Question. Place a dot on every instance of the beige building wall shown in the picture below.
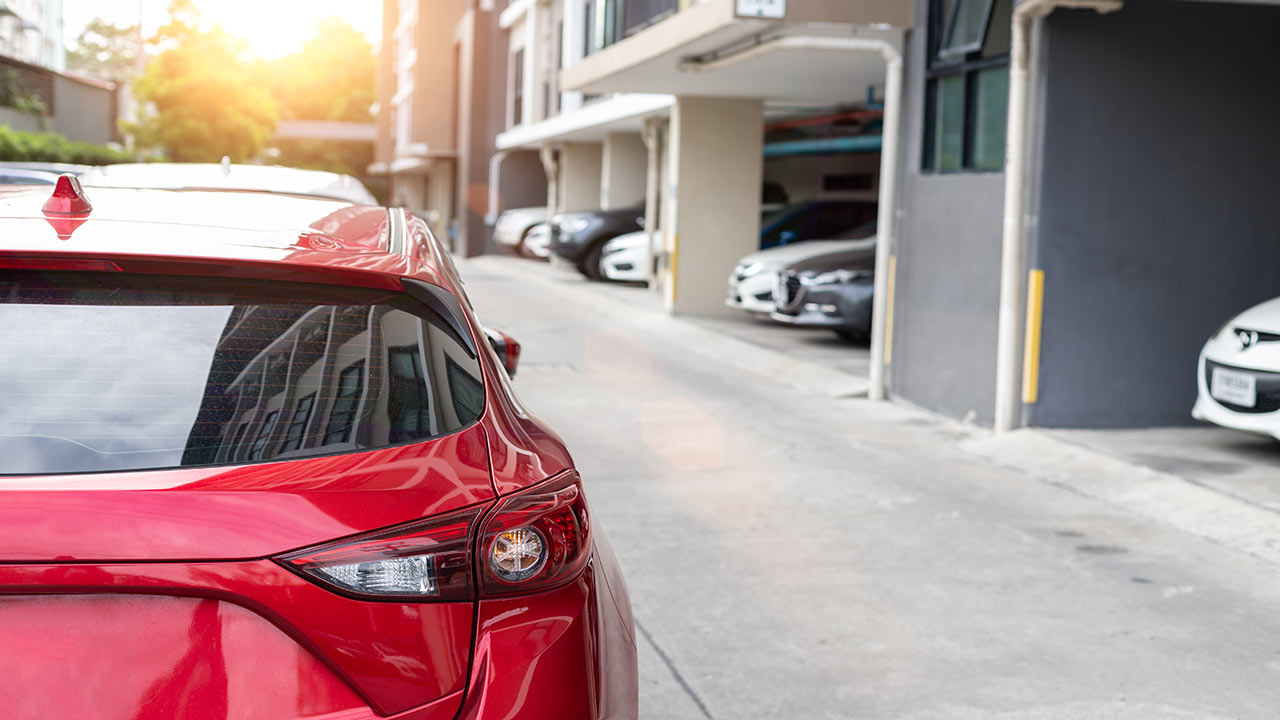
(624, 163)
(716, 168)
(579, 177)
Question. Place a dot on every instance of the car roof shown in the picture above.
(241, 227)
(214, 176)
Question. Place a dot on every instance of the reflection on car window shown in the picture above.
(102, 372)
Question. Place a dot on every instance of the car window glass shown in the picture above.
(103, 372)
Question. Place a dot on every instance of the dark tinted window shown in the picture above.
(103, 372)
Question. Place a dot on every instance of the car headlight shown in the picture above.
(746, 271)
(574, 225)
(835, 277)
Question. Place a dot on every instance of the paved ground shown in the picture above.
(799, 553)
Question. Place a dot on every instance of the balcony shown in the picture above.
(676, 52)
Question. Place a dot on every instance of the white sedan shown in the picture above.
(514, 226)
(1239, 377)
(752, 282)
(625, 258)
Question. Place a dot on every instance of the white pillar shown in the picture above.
(653, 140)
(886, 224)
(716, 155)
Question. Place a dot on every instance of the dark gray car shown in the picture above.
(832, 291)
(579, 237)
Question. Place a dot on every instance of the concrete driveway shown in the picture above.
(794, 551)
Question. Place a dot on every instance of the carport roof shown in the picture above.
(657, 59)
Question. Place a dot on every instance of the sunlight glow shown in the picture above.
(271, 27)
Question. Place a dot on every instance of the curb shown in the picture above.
(1166, 498)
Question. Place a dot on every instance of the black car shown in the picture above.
(579, 237)
(816, 220)
(832, 291)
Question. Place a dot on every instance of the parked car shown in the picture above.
(257, 469)
(1239, 373)
(833, 290)
(514, 225)
(580, 237)
(626, 258)
(816, 220)
(537, 242)
(49, 167)
(754, 278)
(228, 176)
(24, 176)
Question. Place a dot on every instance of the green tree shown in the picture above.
(330, 78)
(105, 50)
(201, 100)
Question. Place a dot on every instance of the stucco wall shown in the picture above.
(1159, 211)
(948, 271)
(85, 112)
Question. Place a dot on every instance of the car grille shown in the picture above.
(1268, 389)
(789, 292)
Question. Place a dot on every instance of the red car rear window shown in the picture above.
(106, 372)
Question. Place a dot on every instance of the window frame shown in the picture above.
(964, 62)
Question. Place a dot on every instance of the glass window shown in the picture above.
(966, 27)
(948, 121)
(104, 372)
(991, 89)
(517, 88)
(967, 87)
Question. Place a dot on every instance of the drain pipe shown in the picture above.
(1013, 262)
(495, 186)
(890, 51)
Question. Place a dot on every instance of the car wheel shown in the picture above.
(520, 249)
(590, 263)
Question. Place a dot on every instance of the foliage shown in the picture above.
(50, 147)
(11, 95)
(340, 157)
(330, 78)
(202, 100)
(105, 50)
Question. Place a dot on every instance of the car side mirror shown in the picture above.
(786, 236)
(507, 348)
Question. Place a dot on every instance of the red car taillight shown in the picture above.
(426, 561)
(533, 540)
(536, 539)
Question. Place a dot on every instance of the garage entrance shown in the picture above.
(1157, 206)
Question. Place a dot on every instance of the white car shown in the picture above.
(626, 257)
(229, 176)
(537, 242)
(1239, 378)
(752, 282)
(514, 225)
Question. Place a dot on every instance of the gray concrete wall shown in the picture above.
(85, 112)
(948, 271)
(1159, 211)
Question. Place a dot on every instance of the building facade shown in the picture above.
(31, 31)
(439, 73)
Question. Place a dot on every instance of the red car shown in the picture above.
(258, 461)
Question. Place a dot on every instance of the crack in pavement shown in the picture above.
(674, 672)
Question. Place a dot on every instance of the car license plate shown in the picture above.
(1234, 387)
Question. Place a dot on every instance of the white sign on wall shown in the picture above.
(762, 8)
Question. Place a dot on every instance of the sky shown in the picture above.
(271, 27)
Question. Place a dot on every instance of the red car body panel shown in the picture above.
(238, 512)
(150, 594)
